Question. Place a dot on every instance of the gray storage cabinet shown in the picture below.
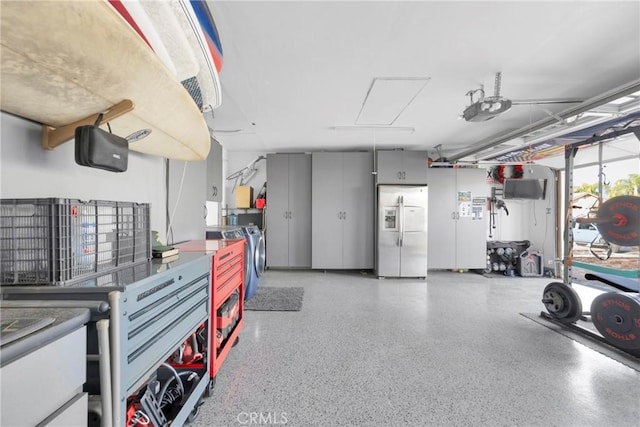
(458, 218)
(215, 182)
(342, 211)
(43, 372)
(402, 167)
(288, 232)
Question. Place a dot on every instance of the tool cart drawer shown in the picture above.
(228, 270)
(155, 315)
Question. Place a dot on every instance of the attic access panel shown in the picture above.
(388, 97)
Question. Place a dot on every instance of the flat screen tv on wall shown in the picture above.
(524, 189)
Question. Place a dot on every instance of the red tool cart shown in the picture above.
(227, 300)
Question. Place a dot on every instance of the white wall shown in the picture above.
(29, 171)
(532, 220)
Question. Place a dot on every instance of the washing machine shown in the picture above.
(256, 259)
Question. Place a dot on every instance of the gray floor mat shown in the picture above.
(276, 299)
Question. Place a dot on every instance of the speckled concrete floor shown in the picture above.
(449, 351)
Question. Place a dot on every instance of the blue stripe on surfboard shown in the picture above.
(206, 22)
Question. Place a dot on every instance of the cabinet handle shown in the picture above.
(453, 215)
(404, 175)
(284, 215)
(399, 175)
(344, 215)
(339, 215)
(290, 216)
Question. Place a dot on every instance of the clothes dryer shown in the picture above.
(255, 260)
(225, 232)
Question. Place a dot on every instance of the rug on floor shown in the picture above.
(271, 298)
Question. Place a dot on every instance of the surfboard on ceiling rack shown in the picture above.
(64, 62)
(184, 35)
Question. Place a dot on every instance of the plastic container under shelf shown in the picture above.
(530, 264)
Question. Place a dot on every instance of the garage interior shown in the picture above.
(497, 112)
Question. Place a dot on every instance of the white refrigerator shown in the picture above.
(402, 231)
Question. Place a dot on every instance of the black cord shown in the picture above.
(99, 120)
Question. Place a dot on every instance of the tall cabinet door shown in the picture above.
(327, 210)
(277, 232)
(471, 227)
(299, 210)
(458, 218)
(215, 182)
(442, 213)
(359, 211)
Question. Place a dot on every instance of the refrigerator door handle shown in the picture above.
(401, 220)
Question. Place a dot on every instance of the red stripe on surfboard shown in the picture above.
(122, 10)
(215, 54)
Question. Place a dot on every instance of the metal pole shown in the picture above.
(102, 327)
(569, 154)
(118, 401)
(600, 174)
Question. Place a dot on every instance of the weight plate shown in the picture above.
(617, 317)
(562, 302)
(623, 229)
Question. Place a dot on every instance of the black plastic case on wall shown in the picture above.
(96, 148)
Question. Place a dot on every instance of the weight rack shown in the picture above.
(561, 300)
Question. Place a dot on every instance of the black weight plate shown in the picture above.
(562, 302)
(616, 315)
(624, 228)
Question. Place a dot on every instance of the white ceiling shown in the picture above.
(296, 73)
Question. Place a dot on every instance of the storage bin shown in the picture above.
(530, 264)
(54, 241)
(227, 316)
